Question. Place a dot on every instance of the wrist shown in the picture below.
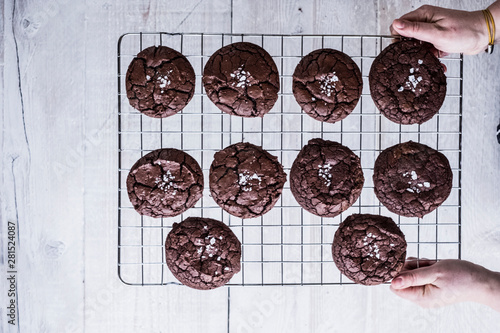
(489, 293)
(480, 28)
(495, 12)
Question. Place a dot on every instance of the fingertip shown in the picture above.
(394, 290)
(399, 24)
(393, 32)
(398, 292)
(403, 28)
(398, 283)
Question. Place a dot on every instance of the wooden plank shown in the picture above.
(4, 285)
(304, 309)
(42, 123)
(297, 309)
(304, 17)
(110, 304)
(481, 156)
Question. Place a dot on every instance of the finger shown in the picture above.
(416, 277)
(412, 266)
(414, 259)
(394, 33)
(412, 293)
(437, 53)
(427, 32)
(416, 263)
(395, 36)
(415, 294)
(422, 14)
(440, 54)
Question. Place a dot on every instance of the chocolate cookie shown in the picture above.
(369, 249)
(327, 84)
(326, 178)
(160, 82)
(245, 180)
(202, 253)
(164, 183)
(412, 179)
(407, 82)
(242, 79)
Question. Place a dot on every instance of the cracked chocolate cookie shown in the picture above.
(369, 249)
(407, 82)
(326, 178)
(242, 79)
(202, 253)
(327, 84)
(412, 179)
(245, 180)
(164, 183)
(160, 82)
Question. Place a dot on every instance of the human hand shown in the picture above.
(435, 284)
(449, 30)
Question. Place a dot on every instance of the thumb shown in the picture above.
(416, 277)
(419, 30)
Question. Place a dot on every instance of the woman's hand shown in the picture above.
(435, 284)
(449, 30)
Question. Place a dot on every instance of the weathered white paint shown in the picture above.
(58, 177)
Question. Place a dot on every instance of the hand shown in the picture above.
(449, 30)
(436, 284)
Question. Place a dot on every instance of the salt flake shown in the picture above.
(412, 81)
(245, 178)
(164, 79)
(242, 78)
(324, 172)
(327, 84)
(166, 182)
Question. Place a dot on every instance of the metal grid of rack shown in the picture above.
(287, 246)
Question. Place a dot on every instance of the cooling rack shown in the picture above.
(287, 246)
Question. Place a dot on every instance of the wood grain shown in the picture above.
(3, 220)
(111, 305)
(59, 177)
(43, 122)
(305, 17)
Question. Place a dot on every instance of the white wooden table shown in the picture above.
(58, 180)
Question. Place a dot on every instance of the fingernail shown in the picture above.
(399, 24)
(398, 282)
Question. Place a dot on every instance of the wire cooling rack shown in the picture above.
(286, 246)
